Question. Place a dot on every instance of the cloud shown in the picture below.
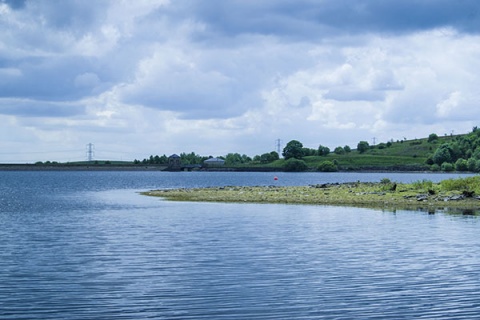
(35, 108)
(234, 76)
(307, 19)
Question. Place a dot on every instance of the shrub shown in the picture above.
(461, 165)
(327, 166)
(295, 165)
(466, 184)
(423, 185)
(387, 185)
(447, 166)
(472, 165)
(435, 167)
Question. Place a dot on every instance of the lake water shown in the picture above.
(86, 245)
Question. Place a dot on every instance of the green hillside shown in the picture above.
(404, 155)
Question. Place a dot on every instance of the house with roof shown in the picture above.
(174, 162)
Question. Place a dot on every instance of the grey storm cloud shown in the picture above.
(313, 19)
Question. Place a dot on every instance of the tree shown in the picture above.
(308, 152)
(323, 151)
(443, 154)
(233, 159)
(432, 137)
(363, 146)
(339, 150)
(347, 149)
(293, 149)
(269, 157)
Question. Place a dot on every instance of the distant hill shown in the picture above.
(400, 155)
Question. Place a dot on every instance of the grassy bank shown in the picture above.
(454, 193)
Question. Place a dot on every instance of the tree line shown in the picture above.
(460, 153)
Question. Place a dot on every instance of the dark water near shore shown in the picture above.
(86, 245)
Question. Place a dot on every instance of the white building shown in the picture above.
(214, 162)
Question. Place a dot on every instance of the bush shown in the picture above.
(472, 165)
(327, 166)
(423, 185)
(447, 166)
(466, 184)
(435, 167)
(461, 165)
(429, 160)
(295, 165)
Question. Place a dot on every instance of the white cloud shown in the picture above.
(165, 76)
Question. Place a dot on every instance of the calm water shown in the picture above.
(86, 245)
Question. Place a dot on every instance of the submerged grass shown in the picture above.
(458, 193)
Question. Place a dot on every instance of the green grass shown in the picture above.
(424, 194)
(400, 155)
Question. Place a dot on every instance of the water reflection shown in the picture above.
(95, 252)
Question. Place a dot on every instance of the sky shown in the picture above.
(144, 77)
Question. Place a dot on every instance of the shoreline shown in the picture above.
(116, 167)
(359, 194)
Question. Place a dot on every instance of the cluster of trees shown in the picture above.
(461, 154)
(231, 159)
(295, 149)
(186, 158)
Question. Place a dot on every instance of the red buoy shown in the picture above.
(275, 178)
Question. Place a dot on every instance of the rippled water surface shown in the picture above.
(86, 245)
